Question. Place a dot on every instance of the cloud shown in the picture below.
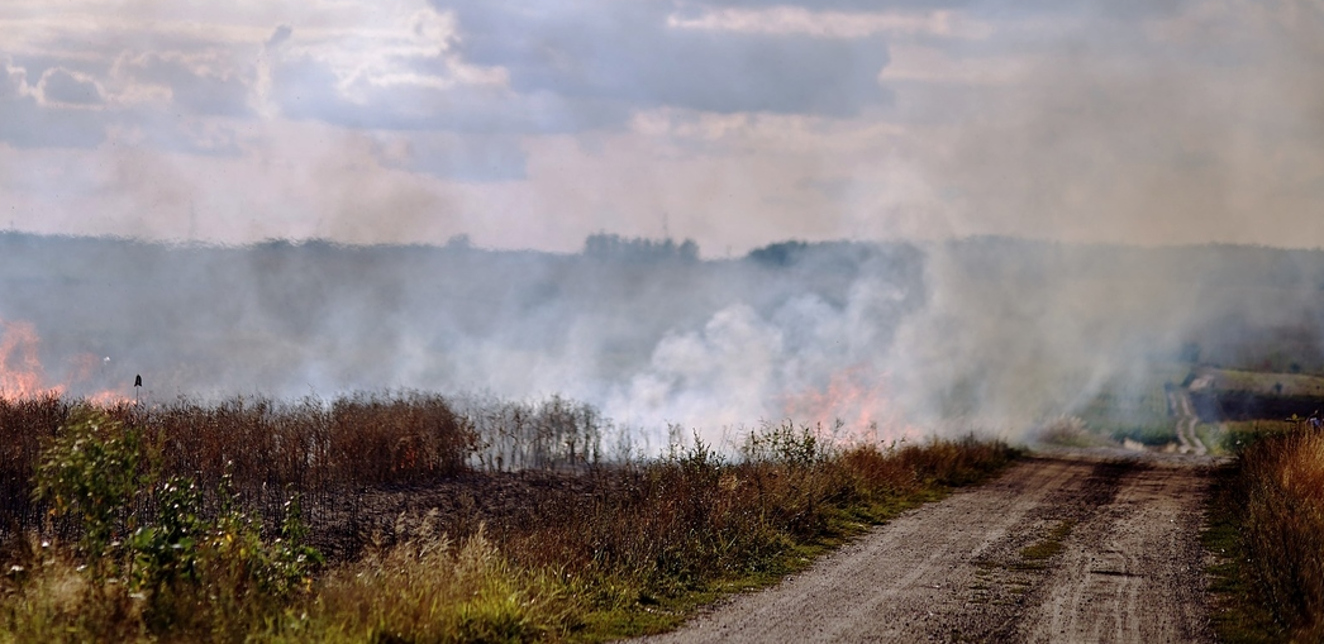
(14, 83)
(63, 86)
(28, 123)
(628, 52)
(305, 88)
(204, 84)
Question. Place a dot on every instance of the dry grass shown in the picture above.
(1283, 482)
(429, 588)
(1265, 522)
(624, 549)
(267, 449)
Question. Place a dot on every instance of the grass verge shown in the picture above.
(1239, 614)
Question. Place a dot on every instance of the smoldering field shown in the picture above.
(895, 340)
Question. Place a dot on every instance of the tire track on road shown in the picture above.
(957, 570)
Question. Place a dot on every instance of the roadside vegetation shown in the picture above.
(196, 522)
(1265, 520)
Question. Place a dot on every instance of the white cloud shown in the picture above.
(787, 19)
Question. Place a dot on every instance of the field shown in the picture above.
(401, 518)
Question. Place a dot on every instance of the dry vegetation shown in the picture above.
(192, 522)
(1267, 516)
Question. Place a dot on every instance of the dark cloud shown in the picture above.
(627, 52)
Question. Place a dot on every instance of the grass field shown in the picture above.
(195, 522)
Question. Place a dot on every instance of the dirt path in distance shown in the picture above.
(1061, 548)
(1179, 400)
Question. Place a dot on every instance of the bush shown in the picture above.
(156, 560)
(93, 470)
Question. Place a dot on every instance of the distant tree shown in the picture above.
(639, 249)
(688, 251)
(779, 254)
(459, 242)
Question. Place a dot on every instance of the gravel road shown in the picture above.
(1061, 548)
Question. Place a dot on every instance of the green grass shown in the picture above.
(1036, 555)
(1238, 612)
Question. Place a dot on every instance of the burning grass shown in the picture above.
(576, 549)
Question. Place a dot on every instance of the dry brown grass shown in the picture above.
(268, 449)
(1282, 480)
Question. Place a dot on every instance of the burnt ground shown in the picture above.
(1067, 547)
(342, 526)
(1214, 406)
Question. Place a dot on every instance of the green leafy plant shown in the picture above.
(92, 470)
(182, 565)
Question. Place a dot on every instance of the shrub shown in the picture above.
(93, 469)
(154, 555)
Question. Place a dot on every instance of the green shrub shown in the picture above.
(93, 470)
(153, 554)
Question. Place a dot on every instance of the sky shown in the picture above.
(737, 123)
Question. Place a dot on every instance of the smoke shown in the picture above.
(1114, 134)
(891, 340)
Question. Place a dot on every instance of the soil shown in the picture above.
(1071, 546)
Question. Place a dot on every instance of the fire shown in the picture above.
(22, 376)
(855, 407)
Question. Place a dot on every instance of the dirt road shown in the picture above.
(1064, 548)
(1179, 401)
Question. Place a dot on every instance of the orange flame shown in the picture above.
(855, 407)
(21, 374)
